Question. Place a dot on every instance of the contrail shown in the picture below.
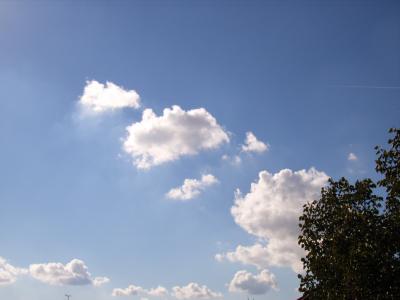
(355, 86)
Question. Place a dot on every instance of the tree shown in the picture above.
(352, 235)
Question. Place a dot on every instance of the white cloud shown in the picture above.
(133, 290)
(234, 160)
(73, 273)
(159, 291)
(99, 281)
(256, 255)
(9, 273)
(271, 212)
(159, 139)
(98, 97)
(194, 291)
(192, 188)
(284, 252)
(259, 284)
(352, 157)
(252, 144)
(190, 291)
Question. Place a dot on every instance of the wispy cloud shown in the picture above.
(352, 157)
(234, 159)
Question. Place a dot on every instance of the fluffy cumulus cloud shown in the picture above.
(9, 273)
(270, 211)
(133, 290)
(259, 284)
(252, 144)
(99, 281)
(98, 97)
(256, 255)
(352, 157)
(192, 188)
(73, 273)
(194, 291)
(159, 291)
(159, 139)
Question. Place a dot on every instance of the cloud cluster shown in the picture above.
(259, 284)
(98, 98)
(133, 290)
(270, 211)
(192, 188)
(73, 273)
(252, 144)
(9, 273)
(159, 139)
(194, 291)
(190, 291)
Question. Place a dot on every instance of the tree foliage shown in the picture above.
(352, 235)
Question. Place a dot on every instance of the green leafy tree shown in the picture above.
(352, 235)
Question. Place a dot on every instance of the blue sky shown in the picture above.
(314, 82)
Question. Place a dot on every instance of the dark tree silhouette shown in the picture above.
(352, 235)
